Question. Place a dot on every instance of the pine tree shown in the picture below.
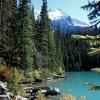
(42, 35)
(32, 17)
(14, 32)
(37, 22)
(58, 39)
(26, 38)
(52, 52)
(7, 30)
(45, 39)
(14, 85)
(94, 8)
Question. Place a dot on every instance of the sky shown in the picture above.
(70, 7)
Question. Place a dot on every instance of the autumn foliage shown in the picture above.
(6, 73)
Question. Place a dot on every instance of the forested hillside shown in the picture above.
(27, 46)
(32, 50)
(31, 44)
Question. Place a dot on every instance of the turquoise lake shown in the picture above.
(76, 84)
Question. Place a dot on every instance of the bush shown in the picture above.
(45, 73)
(13, 84)
(60, 71)
(40, 95)
(28, 75)
(6, 73)
(36, 74)
(69, 96)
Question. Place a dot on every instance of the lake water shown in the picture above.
(76, 84)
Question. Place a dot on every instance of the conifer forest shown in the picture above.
(36, 49)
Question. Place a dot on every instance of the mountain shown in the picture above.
(66, 22)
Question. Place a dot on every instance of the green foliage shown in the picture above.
(59, 47)
(7, 30)
(42, 35)
(45, 73)
(45, 42)
(91, 40)
(2, 62)
(71, 54)
(60, 70)
(13, 85)
(94, 8)
(52, 56)
(28, 74)
(26, 38)
(37, 74)
(40, 95)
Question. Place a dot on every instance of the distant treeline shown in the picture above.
(75, 53)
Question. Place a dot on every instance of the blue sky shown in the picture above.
(70, 7)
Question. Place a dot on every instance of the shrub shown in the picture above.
(13, 84)
(69, 96)
(60, 71)
(6, 73)
(45, 73)
(28, 76)
(36, 74)
(40, 95)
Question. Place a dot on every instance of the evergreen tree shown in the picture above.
(14, 31)
(58, 39)
(34, 33)
(26, 38)
(7, 30)
(33, 23)
(94, 15)
(37, 22)
(52, 52)
(42, 35)
(14, 85)
(45, 39)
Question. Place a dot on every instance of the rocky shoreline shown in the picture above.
(30, 87)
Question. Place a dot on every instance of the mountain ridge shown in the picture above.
(66, 21)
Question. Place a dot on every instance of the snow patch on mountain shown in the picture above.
(59, 15)
(79, 23)
(55, 14)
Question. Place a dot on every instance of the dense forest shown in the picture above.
(28, 49)
(28, 45)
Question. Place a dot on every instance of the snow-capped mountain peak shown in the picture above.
(59, 15)
(53, 13)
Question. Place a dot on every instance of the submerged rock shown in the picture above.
(92, 86)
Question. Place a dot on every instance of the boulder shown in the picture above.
(52, 93)
(46, 91)
(2, 90)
